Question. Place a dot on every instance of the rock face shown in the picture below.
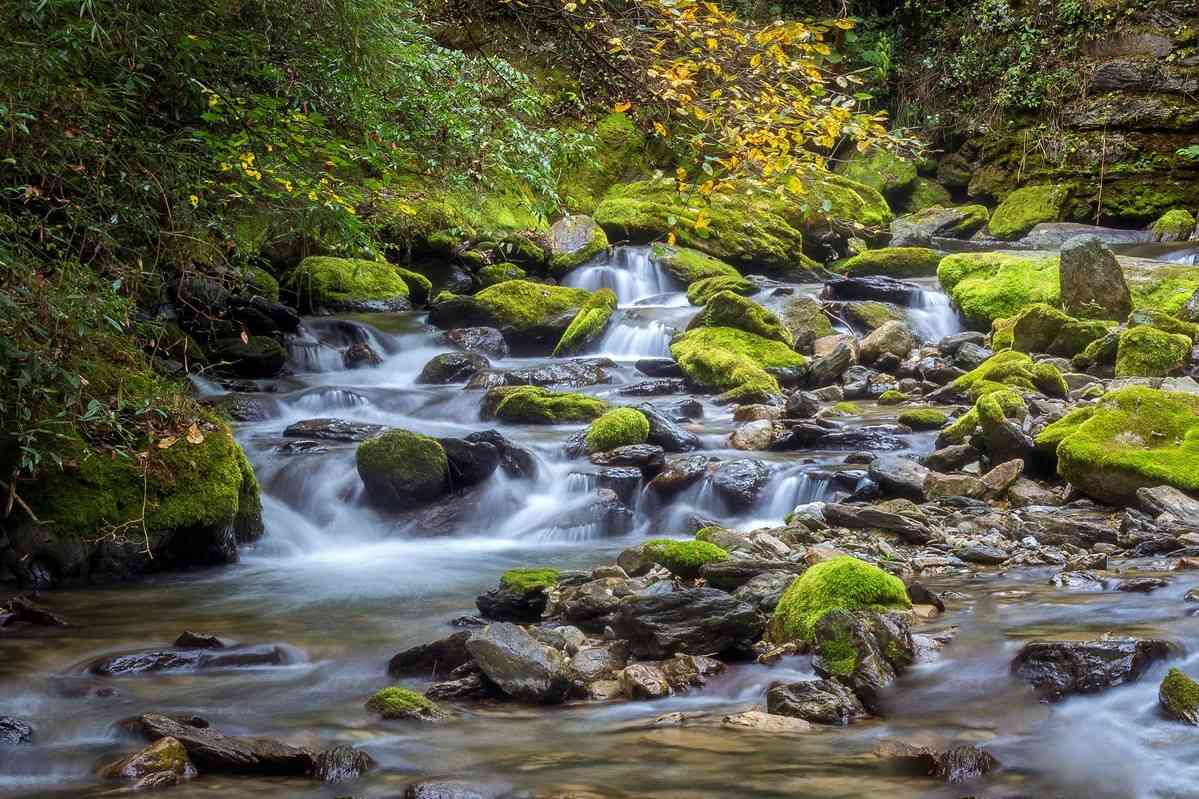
(1060, 668)
(523, 668)
(1093, 286)
(211, 750)
(697, 621)
(817, 701)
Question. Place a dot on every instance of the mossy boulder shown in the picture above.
(804, 318)
(536, 405)
(683, 559)
(923, 418)
(574, 240)
(842, 583)
(1007, 369)
(1010, 404)
(734, 362)
(1132, 438)
(323, 283)
(870, 315)
(1175, 225)
(890, 174)
(926, 193)
(921, 227)
(687, 265)
(589, 323)
(1178, 697)
(892, 397)
(1049, 380)
(255, 357)
(1042, 328)
(529, 580)
(897, 262)
(727, 309)
(1150, 352)
(402, 469)
(420, 288)
(260, 283)
(617, 428)
(702, 290)
(531, 316)
(996, 285)
(404, 703)
(1025, 208)
(1165, 323)
(493, 274)
(620, 152)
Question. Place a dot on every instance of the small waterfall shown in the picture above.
(631, 336)
(628, 271)
(308, 354)
(933, 317)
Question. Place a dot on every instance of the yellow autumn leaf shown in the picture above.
(622, 106)
(661, 130)
(671, 238)
(194, 436)
(167, 442)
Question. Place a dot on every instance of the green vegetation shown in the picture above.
(523, 305)
(1178, 696)
(1010, 405)
(923, 419)
(618, 427)
(843, 583)
(683, 559)
(1049, 380)
(1003, 369)
(588, 323)
(687, 266)
(733, 361)
(727, 309)
(1025, 208)
(1174, 225)
(892, 397)
(529, 581)
(1150, 352)
(702, 290)
(535, 405)
(404, 703)
(492, 274)
(990, 286)
(897, 262)
(891, 175)
(347, 284)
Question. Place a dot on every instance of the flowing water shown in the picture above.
(345, 587)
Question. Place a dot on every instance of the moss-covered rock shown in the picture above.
(618, 427)
(1003, 369)
(683, 559)
(727, 309)
(255, 357)
(1132, 438)
(330, 284)
(1049, 380)
(996, 285)
(687, 265)
(493, 274)
(842, 583)
(1178, 697)
(574, 240)
(1025, 208)
(404, 703)
(536, 405)
(870, 315)
(420, 288)
(521, 305)
(897, 262)
(1010, 404)
(892, 397)
(530, 580)
(261, 283)
(890, 174)
(1150, 352)
(805, 320)
(1174, 225)
(926, 193)
(702, 290)
(589, 323)
(620, 152)
(923, 418)
(734, 362)
(1164, 322)
(938, 221)
(402, 469)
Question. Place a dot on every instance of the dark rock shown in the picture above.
(515, 461)
(452, 367)
(658, 387)
(1142, 585)
(569, 374)
(955, 765)
(256, 358)
(432, 659)
(817, 701)
(764, 591)
(523, 668)
(951, 458)
(599, 661)
(982, 554)
(471, 462)
(624, 481)
(920, 595)
(649, 458)
(244, 409)
(802, 405)
(878, 438)
(506, 604)
(1058, 668)
(342, 763)
(864, 650)
(899, 477)
(333, 430)
(950, 344)
(23, 610)
(193, 640)
(680, 474)
(658, 367)
(692, 621)
(14, 731)
(867, 517)
(157, 660)
(877, 288)
(666, 434)
(739, 482)
(211, 750)
(360, 356)
(827, 369)
(484, 340)
(729, 575)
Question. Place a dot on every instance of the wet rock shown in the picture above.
(1163, 499)
(869, 517)
(1142, 585)
(826, 369)
(164, 762)
(899, 477)
(569, 374)
(151, 661)
(342, 764)
(599, 661)
(507, 604)
(15, 731)
(802, 405)
(892, 338)
(982, 554)
(658, 367)
(1079, 580)
(643, 681)
(664, 386)
(515, 461)
(333, 430)
(211, 750)
(1178, 697)
(1059, 668)
(1027, 493)
(921, 228)
(193, 640)
(244, 409)
(877, 438)
(877, 288)
(666, 434)
(523, 668)
(731, 574)
(432, 659)
(955, 765)
(470, 462)
(1002, 477)
(649, 458)
(592, 603)
(951, 458)
(452, 367)
(864, 650)
(483, 340)
(624, 481)
(691, 621)
(23, 610)
(435, 789)
(680, 474)
(360, 356)
(817, 701)
(768, 723)
(739, 482)
(753, 436)
(255, 358)
(1093, 285)
(938, 486)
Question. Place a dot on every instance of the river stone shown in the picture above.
(870, 517)
(211, 750)
(739, 482)
(955, 765)
(764, 591)
(666, 434)
(569, 374)
(692, 620)
(732, 573)
(658, 367)
(254, 358)
(939, 486)
(333, 430)
(919, 229)
(156, 660)
(1093, 285)
(483, 340)
(1164, 499)
(827, 368)
(523, 668)
(15, 731)
(881, 645)
(360, 356)
(649, 458)
(164, 762)
(753, 435)
(23, 610)
(507, 604)
(452, 367)
(343, 763)
(643, 681)
(470, 462)
(571, 237)
(432, 659)
(951, 458)
(768, 723)
(818, 701)
(1002, 477)
(435, 789)
(515, 461)
(899, 477)
(982, 554)
(892, 337)
(599, 660)
(1059, 668)
(876, 287)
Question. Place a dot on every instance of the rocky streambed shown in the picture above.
(576, 600)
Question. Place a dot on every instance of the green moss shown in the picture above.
(888, 173)
(403, 703)
(261, 283)
(682, 558)
(419, 286)
(993, 285)
(1134, 437)
(702, 290)
(838, 656)
(399, 466)
(687, 265)
(845, 408)
(588, 323)
(892, 397)
(870, 315)
(1164, 322)
(733, 361)
(522, 305)
(529, 581)
(923, 419)
(927, 193)
(535, 405)
(597, 243)
(1049, 380)
(1048, 439)
(727, 309)
(1003, 334)
(1179, 696)
(843, 583)
(804, 318)
(619, 151)
(1010, 404)
(617, 428)
(1026, 208)
(339, 283)
(492, 274)
(707, 534)
(1149, 352)
(1001, 369)
(1174, 225)
(967, 219)
(169, 340)
(897, 262)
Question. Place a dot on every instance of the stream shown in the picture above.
(344, 587)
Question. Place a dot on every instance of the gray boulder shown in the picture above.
(1093, 285)
(523, 668)
(697, 621)
(818, 701)
(1059, 668)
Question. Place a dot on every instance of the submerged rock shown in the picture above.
(15, 731)
(165, 762)
(1060, 668)
(196, 659)
(817, 701)
(211, 750)
(452, 367)
(432, 659)
(958, 764)
(343, 763)
(1178, 696)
